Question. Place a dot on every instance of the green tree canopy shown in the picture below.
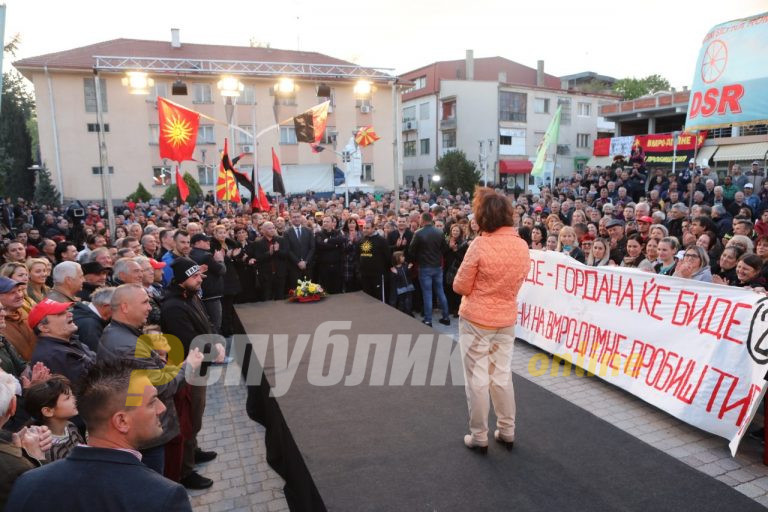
(195, 192)
(456, 172)
(140, 195)
(631, 88)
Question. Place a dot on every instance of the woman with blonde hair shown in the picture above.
(600, 255)
(568, 243)
(490, 276)
(39, 269)
(19, 273)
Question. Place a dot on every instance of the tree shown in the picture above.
(45, 192)
(195, 192)
(631, 88)
(17, 107)
(456, 172)
(140, 195)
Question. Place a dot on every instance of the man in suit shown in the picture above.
(301, 250)
(270, 252)
(107, 474)
(330, 253)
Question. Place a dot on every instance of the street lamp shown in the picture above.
(138, 82)
(436, 178)
(285, 86)
(362, 89)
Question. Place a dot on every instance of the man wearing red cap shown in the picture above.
(52, 323)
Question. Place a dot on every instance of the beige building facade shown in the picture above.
(65, 96)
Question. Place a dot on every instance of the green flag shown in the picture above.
(550, 137)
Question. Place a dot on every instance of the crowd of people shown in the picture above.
(78, 303)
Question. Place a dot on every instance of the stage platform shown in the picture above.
(372, 447)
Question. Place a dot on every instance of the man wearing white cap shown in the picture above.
(750, 198)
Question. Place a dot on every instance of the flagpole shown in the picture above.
(255, 155)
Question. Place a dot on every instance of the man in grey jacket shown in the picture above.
(123, 340)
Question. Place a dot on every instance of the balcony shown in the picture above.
(448, 124)
(410, 124)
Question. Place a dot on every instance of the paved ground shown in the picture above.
(245, 482)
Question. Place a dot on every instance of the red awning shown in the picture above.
(515, 166)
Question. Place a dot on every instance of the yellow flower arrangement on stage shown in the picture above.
(306, 291)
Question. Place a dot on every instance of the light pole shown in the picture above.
(230, 87)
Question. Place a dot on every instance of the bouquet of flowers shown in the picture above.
(306, 291)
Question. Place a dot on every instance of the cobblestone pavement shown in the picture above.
(243, 481)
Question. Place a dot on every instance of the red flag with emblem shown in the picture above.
(226, 183)
(177, 130)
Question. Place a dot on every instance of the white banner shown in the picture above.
(622, 146)
(698, 351)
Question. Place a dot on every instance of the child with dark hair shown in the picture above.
(52, 403)
(402, 296)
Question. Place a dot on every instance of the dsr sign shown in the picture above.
(720, 100)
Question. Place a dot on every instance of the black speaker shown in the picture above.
(179, 88)
(323, 91)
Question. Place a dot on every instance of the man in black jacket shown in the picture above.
(375, 261)
(329, 247)
(427, 249)
(184, 316)
(95, 276)
(270, 252)
(301, 250)
(106, 475)
(213, 284)
(400, 239)
(92, 317)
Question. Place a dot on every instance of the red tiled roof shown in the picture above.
(82, 58)
(486, 68)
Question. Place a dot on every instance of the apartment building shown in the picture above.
(496, 111)
(190, 74)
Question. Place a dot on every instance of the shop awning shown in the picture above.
(705, 153)
(602, 161)
(737, 152)
(515, 166)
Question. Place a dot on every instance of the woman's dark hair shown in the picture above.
(637, 237)
(752, 260)
(525, 234)
(542, 229)
(45, 394)
(492, 210)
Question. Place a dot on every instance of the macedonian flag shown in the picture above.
(178, 131)
(226, 183)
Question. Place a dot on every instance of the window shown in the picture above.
(409, 148)
(205, 175)
(247, 96)
(329, 136)
(753, 129)
(541, 105)
(418, 83)
(97, 170)
(409, 113)
(582, 140)
(512, 106)
(424, 146)
(202, 93)
(94, 127)
(161, 176)
(449, 139)
(205, 134)
(160, 90)
(449, 110)
(512, 141)
(585, 109)
(563, 149)
(288, 135)
(367, 172)
(243, 138)
(565, 113)
(154, 133)
(89, 89)
(424, 111)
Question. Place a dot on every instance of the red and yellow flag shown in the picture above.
(366, 136)
(310, 125)
(178, 131)
(226, 183)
